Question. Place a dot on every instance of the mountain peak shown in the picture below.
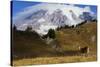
(46, 16)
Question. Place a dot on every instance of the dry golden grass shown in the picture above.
(71, 38)
(31, 50)
(54, 60)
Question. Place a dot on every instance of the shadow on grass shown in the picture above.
(44, 54)
(27, 45)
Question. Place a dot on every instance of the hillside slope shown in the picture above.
(84, 35)
(29, 46)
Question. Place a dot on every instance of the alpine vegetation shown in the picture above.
(49, 33)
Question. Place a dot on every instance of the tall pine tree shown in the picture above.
(51, 33)
(29, 28)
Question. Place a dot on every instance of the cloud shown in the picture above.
(87, 9)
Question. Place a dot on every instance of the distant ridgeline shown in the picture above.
(86, 16)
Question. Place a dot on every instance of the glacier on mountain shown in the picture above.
(43, 16)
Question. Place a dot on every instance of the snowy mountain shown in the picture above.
(43, 16)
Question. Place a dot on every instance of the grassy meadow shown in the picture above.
(29, 49)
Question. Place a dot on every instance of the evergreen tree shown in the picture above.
(72, 26)
(29, 28)
(58, 28)
(66, 26)
(14, 28)
(51, 33)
